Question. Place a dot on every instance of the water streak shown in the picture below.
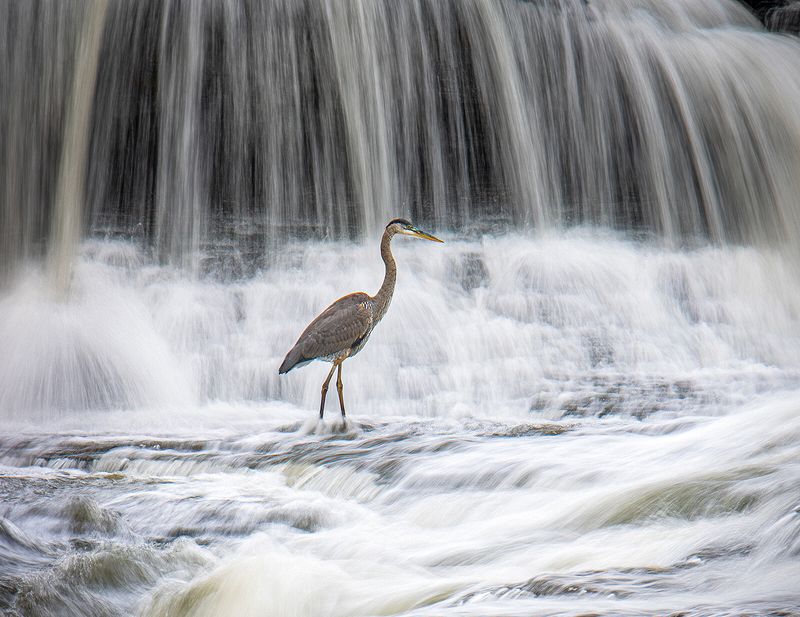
(66, 222)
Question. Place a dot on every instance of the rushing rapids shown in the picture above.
(586, 401)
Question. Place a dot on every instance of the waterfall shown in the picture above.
(221, 137)
(236, 124)
(586, 401)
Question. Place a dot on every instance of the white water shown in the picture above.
(539, 426)
(493, 327)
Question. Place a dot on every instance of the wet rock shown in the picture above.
(784, 19)
(546, 586)
(469, 271)
(676, 282)
(777, 15)
(528, 430)
(599, 349)
(299, 516)
(85, 516)
(604, 395)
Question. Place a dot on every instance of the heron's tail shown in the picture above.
(292, 359)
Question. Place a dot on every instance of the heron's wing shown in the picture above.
(337, 328)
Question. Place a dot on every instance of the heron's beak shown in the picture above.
(426, 236)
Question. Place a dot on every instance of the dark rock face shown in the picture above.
(777, 15)
(761, 7)
(784, 19)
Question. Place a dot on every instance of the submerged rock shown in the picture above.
(777, 15)
(469, 271)
(784, 19)
(84, 515)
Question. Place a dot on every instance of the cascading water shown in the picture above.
(242, 122)
(587, 400)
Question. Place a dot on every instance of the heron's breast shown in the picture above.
(336, 357)
(359, 344)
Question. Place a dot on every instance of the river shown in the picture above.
(586, 401)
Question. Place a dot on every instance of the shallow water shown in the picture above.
(553, 425)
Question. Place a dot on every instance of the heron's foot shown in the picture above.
(333, 426)
(313, 426)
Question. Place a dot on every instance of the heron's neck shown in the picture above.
(384, 295)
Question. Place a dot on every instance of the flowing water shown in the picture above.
(587, 401)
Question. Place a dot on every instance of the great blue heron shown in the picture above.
(342, 329)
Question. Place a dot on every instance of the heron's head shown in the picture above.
(402, 226)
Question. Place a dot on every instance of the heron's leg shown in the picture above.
(325, 392)
(339, 386)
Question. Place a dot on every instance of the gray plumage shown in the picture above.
(342, 329)
(336, 332)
